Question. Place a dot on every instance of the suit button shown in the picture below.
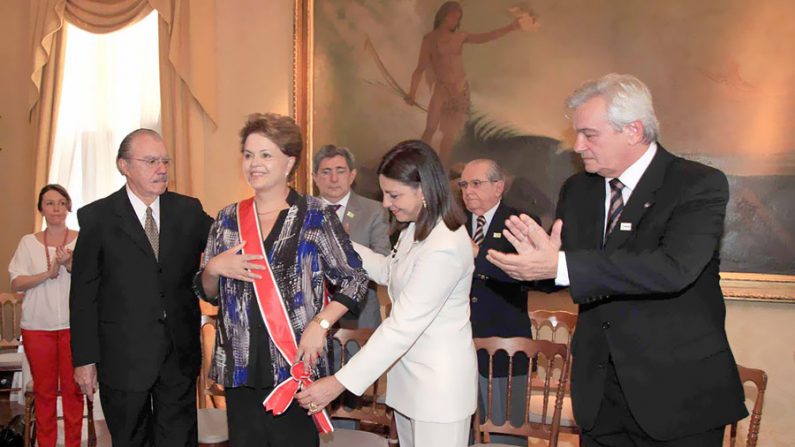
(601, 365)
(160, 270)
(474, 299)
(606, 325)
(162, 294)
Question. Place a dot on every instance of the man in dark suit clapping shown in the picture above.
(134, 318)
(637, 242)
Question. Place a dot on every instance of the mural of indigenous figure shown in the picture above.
(442, 64)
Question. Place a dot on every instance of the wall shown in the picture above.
(255, 75)
(17, 157)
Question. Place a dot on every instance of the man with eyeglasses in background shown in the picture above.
(134, 317)
(498, 303)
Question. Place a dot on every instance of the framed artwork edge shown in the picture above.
(736, 286)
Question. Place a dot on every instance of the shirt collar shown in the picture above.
(489, 215)
(631, 176)
(343, 202)
(140, 207)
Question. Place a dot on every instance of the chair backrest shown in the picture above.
(209, 393)
(10, 317)
(561, 325)
(368, 407)
(759, 379)
(543, 403)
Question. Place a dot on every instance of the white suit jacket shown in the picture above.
(427, 339)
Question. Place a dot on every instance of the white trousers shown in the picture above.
(412, 433)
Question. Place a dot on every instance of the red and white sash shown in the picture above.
(276, 319)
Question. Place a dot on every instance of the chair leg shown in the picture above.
(29, 435)
(92, 431)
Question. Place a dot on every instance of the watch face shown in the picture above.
(325, 324)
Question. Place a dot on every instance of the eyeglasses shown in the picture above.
(475, 184)
(152, 162)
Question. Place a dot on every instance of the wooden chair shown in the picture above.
(557, 326)
(759, 379)
(367, 409)
(211, 414)
(10, 316)
(543, 407)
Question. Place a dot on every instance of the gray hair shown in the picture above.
(331, 151)
(628, 99)
(126, 143)
(495, 172)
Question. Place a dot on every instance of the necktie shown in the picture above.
(478, 236)
(616, 206)
(150, 228)
(335, 207)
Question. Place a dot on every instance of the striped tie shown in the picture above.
(478, 236)
(150, 228)
(616, 206)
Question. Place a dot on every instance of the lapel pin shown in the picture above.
(349, 214)
(496, 235)
(625, 226)
(647, 205)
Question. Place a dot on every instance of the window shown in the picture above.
(110, 87)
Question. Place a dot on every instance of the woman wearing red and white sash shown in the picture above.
(265, 265)
(426, 343)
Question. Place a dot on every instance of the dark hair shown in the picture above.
(126, 143)
(280, 129)
(416, 164)
(60, 190)
(331, 151)
(444, 10)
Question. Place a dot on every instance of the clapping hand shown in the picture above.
(63, 256)
(232, 264)
(536, 254)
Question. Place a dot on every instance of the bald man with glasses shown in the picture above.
(498, 303)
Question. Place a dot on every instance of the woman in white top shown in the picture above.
(41, 268)
(426, 343)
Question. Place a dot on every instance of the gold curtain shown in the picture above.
(187, 74)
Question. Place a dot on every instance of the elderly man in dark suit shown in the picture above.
(365, 220)
(498, 302)
(637, 242)
(134, 317)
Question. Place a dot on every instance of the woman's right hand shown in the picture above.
(232, 264)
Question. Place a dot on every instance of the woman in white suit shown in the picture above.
(427, 339)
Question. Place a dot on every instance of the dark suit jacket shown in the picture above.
(498, 303)
(651, 299)
(120, 291)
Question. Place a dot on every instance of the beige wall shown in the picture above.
(17, 157)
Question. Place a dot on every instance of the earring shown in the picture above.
(424, 203)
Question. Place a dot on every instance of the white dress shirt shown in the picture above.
(629, 178)
(343, 202)
(140, 208)
(489, 215)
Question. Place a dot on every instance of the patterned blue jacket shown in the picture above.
(312, 248)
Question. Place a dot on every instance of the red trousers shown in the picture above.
(50, 358)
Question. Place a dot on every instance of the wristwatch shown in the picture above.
(325, 324)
